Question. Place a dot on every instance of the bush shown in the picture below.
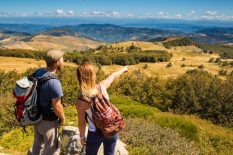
(231, 63)
(178, 42)
(211, 60)
(225, 52)
(224, 64)
(7, 117)
(199, 92)
(140, 87)
(201, 66)
(145, 66)
(231, 73)
(183, 65)
(218, 60)
(169, 65)
(17, 139)
(222, 72)
(147, 138)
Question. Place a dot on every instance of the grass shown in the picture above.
(17, 140)
(22, 64)
(193, 59)
(192, 54)
(208, 137)
(47, 42)
(130, 108)
(143, 44)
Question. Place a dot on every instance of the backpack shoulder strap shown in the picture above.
(47, 78)
(82, 98)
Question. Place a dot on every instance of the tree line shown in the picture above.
(179, 42)
(225, 52)
(129, 58)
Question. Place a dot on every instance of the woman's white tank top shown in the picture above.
(89, 113)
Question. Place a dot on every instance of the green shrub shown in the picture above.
(218, 60)
(147, 138)
(184, 127)
(224, 63)
(178, 42)
(145, 66)
(225, 52)
(211, 60)
(130, 108)
(222, 72)
(169, 65)
(183, 65)
(201, 67)
(17, 139)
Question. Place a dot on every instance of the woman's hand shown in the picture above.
(125, 69)
(83, 141)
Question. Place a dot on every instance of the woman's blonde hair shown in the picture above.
(86, 74)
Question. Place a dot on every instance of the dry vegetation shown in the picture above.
(189, 56)
(22, 64)
(47, 42)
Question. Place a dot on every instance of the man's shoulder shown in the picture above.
(54, 81)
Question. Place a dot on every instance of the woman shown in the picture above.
(86, 74)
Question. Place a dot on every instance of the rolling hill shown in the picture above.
(48, 42)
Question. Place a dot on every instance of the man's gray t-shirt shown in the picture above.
(51, 89)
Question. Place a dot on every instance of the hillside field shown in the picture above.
(184, 58)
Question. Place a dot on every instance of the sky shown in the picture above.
(158, 9)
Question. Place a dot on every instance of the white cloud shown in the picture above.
(115, 14)
(217, 17)
(61, 12)
(178, 16)
(2, 13)
(211, 13)
(191, 13)
(161, 13)
(70, 12)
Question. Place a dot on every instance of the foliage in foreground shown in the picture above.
(196, 92)
(149, 130)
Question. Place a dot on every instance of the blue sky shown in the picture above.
(170, 9)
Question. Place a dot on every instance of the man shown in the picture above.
(46, 132)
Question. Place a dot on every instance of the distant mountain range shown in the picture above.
(115, 33)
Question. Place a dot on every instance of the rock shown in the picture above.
(69, 131)
(71, 143)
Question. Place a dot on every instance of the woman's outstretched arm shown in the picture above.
(108, 81)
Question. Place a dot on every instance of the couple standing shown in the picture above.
(46, 132)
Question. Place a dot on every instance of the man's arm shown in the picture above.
(108, 81)
(56, 94)
(58, 109)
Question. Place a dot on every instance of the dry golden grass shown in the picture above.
(144, 45)
(192, 54)
(22, 64)
(193, 59)
(47, 42)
